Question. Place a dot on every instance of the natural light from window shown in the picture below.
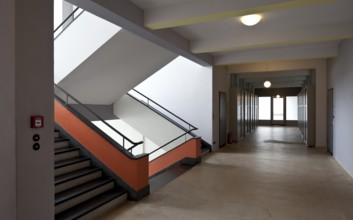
(292, 108)
(278, 109)
(264, 108)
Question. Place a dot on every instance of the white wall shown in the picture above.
(128, 132)
(184, 88)
(26, 68)
(79, 41)
(341, 80)
(156, 128)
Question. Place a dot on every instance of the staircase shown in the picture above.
(82, 191)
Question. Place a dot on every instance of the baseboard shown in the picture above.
(188, 161)
(138, 195)
(191, 161)
(343, 167)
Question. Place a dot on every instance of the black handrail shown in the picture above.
(169, 142)
(98, 117)
(150, 100)
(187, 131)
(66, 19)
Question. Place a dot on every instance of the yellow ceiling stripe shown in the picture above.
(286, 43)
(236, 13)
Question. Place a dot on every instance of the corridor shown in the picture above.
(269, 175)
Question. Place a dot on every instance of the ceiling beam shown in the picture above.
(280, 85)
(268, 38)
(293, 52)
(199, 11)
(130, 17)
(276, 80)
(272, 38)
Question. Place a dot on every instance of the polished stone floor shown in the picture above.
(269, 175)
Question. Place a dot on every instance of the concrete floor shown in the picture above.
(269, 175)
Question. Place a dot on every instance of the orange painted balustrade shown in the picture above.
(134, 172)
(190, 149)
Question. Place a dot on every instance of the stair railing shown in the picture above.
(67, 21)
(77, 107)
(168, 115)
(162, 111)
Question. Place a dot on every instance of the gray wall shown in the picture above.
(340, 78)
(26, 68)
(7, 116)
(221, 83)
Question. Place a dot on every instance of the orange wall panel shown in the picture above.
(133, 172)
(191, 149)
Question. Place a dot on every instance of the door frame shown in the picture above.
(330, 118)
(222, 95)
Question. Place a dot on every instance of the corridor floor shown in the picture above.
(269, 175)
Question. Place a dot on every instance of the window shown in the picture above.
(292, 107)
(264, 108)
(278, 109)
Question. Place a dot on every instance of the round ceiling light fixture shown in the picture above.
(267, 84)
(250, 20)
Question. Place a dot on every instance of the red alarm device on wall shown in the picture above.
(37, 121)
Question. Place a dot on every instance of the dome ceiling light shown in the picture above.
(267, 84)
(250, 20)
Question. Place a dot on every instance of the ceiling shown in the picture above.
(209, 32)
(214, 26)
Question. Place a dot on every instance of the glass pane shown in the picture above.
(264, 108)
(292, 107)
(278, 109)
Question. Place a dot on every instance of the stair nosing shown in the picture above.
(103, 182)
(65, 150)
(73, 161)
(61, 139)
(84, 173)
(119, 191)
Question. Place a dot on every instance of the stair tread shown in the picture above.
(70, 161)
(75, 174)
(61, 139)
(91, 204)
(61, 150)
(81, 189)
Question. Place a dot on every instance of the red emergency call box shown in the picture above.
(37, 121)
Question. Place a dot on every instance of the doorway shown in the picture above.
(278, 111)
(222, 119)
(330, 118)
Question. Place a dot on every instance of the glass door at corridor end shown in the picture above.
(278, 117)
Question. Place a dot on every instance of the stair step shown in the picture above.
(56, 134)
(65, 153)
(72, 179)
(92, 208)
(61, 142)
(74, 196)
(70, 165)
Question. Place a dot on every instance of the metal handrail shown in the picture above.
(188, 130)
(98, 117)
(66, 19)
(150, 100)
(169, 142)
